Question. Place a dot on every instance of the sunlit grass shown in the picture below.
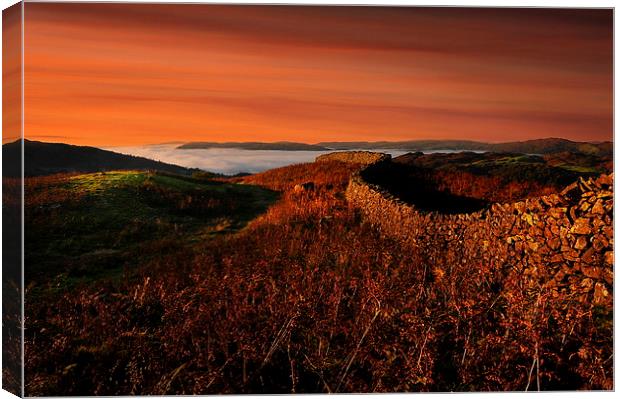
(93, 225)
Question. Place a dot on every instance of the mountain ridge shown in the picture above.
(535, 146)
(42, 158)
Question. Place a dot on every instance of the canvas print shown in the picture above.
(236, 199)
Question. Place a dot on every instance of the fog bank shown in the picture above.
(228, 161)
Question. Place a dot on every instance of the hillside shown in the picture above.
(539, 146)
(49, 158)
(487, 177)
(318, 289)
(279, 146)
(87, 224)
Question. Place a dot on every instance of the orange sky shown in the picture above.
(11, 73)
(123, 74)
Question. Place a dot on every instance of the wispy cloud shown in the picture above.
(257, 73)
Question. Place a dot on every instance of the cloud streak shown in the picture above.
(267, 73)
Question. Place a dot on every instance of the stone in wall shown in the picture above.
(361, 157)
(564, 238)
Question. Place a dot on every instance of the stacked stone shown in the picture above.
(563, 241)
(587, 244)
(361, 157)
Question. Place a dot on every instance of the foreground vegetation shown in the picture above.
(468, 181)
(305, 298)
(86, 226)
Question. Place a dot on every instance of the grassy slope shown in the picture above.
(492, 177)
(309, 298)
(42, 159)
(92, 225)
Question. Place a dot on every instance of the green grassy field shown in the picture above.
(85, 227)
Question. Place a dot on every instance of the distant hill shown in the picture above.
(279, 146)
(49, 158)
(555, 145)
(412, 145)
(539, 146)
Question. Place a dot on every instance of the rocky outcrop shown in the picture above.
(361, 157)
(564, 240)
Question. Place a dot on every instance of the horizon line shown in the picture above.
(182, 142)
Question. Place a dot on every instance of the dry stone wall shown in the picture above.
(361, 157)
(565, 240)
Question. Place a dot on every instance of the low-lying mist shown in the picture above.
(228, 161)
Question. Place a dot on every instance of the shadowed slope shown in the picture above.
(48, 158)
(85, 225)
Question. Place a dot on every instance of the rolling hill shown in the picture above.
(105, 218)
(49, 158)
(539, 146)
(159, 284)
